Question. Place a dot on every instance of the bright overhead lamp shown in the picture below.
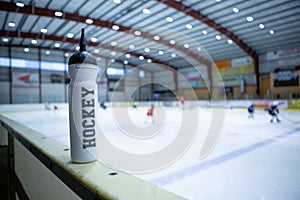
(186, 46)
(33, 41)
(44, 30)
(5, 39)
(229, 41)
(96, 51)
(131, 46)
(172, 42)
(160, 52)
(218, 37)
(141, 57)
(199, 48)
(20, 4)
(261, 26)
(113, 43)
(146, 11)
(156, 37)
(89, 21)
(77, 48)
(112, 60)
(173, 55)
(272, 32)
(115, 27)
(137, 33)
(58, 14)
(235, 10)
(113, 53)
(11, 24)
(94, 39)
(149, 60)
(117, 1)
(26, 50)
(127, 55)
(204, 32)
(125, 62)
(169, 19)
(189, 26)
(67, 55)
(147, 50)
(218, 1)
(57, 45)
(250, 18)
(70, 35)
(47, 52)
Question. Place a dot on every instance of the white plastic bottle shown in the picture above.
(83, 100)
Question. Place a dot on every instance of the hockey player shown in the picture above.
(182, 102)
(150, 114)
(273, 111)
(251, 111)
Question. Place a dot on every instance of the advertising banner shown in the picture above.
(25, 80)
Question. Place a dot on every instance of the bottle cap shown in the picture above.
(82, 56)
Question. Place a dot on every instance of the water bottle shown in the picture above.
(83, 100)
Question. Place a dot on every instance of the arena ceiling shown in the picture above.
(163, 31)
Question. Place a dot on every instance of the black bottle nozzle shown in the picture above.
(82, 44)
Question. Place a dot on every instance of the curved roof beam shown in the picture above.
(17, 34)
(211, 23)
(31, 10)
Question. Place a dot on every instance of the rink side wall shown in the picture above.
(41, 168)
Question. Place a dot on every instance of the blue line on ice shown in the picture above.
(169, 178)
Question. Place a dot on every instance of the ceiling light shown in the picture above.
(94, 39)
(218, 1)
(147, 50)
(169, 19)
(77, 48)
(117, 1)
(26, 50)
(58, 14)
(33, 41)
(89, 21)
(96, 51)
(5, 39)
(146, 11)
(156, 37)
(131, 46)
(125, 62)
(115, 27)
(199, 48)
(218, 37)
(137, 33)
(250, 18)
(20, 4)
(229, 42)
(114, 43)
(204, 32)
(113, 53)
(47, 52)
(261, 26)
(141, 57)
(70, 35)
(271, 32)
(112, 60)
(127, 55)
(160, 52)
(44, 30)
(173, 55)
(11, 24)
(149, 60)
(57, 45)
(67, 54)
(188, 26)
(186, 45)
(235, 10)
(172, 42)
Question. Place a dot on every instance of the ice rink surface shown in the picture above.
(253, 159)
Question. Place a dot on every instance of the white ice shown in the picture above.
(254, 159)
